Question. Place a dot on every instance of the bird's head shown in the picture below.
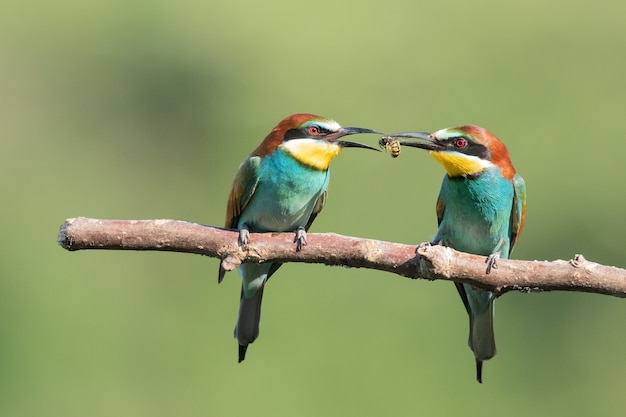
(312, 140)
(464, 151)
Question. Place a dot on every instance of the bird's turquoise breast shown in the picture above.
(286, 194)
(477, 213)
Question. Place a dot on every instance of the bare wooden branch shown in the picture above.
(431, 262)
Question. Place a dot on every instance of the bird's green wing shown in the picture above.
(319, 205)
(518, 215)
(441, 207)
(244, 185)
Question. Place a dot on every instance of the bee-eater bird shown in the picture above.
(281, 187)
(481, 210)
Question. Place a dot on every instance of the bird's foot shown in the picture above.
(300, 239)
(244, 236)
(424, 245)
(492, 261)
(244, 239)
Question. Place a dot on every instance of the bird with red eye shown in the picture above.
(460, 143)
(281, 187)
(481, 210)
(314, 130)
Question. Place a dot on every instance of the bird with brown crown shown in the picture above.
(281, 187)
(481, 210)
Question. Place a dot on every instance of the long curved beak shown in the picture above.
(430, 143)
(345, 131)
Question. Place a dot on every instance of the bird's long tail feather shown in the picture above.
(481, 338)
(247, 328)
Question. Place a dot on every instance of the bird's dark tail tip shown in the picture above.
(479, 371)
(242, 353)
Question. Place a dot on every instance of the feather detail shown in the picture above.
(518, 215)
(243, 189)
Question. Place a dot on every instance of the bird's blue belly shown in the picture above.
(477, 214)
(286, 195)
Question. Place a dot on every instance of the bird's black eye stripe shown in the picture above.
(467, 146)
(315, 130)
(307, 132)
(293, 134)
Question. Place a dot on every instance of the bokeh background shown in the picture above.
(144, 109)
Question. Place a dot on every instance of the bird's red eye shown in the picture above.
(314, 130)
(460, 142)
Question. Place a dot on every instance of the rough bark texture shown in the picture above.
(430, 262)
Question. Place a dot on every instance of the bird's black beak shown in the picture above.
(345, 131)
(429, 143)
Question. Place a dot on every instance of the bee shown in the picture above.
(391, 145)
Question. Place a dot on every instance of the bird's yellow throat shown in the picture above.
(459, 165)
(314, 153)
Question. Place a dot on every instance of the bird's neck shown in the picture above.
(461, 165)
(313, 153)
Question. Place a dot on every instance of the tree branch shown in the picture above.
(432, 262)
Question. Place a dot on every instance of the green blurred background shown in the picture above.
(144, 109)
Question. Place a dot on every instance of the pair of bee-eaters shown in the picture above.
(282, 186)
